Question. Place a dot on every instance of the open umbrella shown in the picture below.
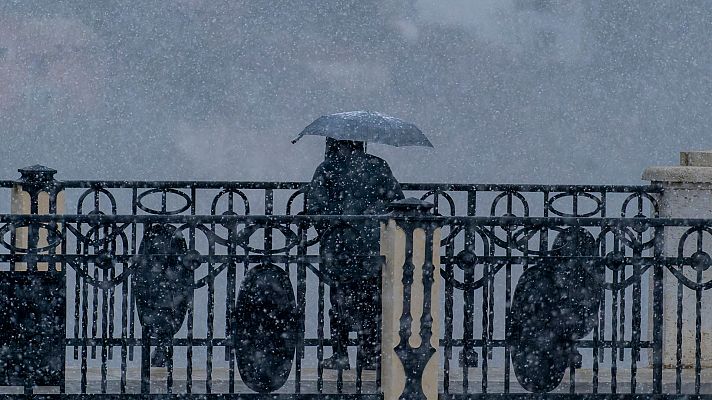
(366, 126)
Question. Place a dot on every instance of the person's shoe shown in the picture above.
(336, 362)
(575, 359)
(159, 357)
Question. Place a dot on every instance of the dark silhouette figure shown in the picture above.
(351, 182)
(162, 286)
(554, 305)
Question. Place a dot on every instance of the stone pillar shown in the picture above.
(35, 193)
(411, 305)
(32, 295)
(687, 193)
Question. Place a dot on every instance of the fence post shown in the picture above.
(687, 193)
(411, 303)
(33, 296)
(35, 193)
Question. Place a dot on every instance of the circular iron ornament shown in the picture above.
(265, 328)
(615, 261)
(230, 193)
(104, 261)
(242, 239)
(100, 235)
(96, 223)
(641, 197)
(638, 225)
(149, 210)
(292, 198)
(677, 271)
(509, 194)
(508, 223)
(596, 200)
(162, 284)
(191, 260)
(435, 194)
(54, 236)
(700, 261)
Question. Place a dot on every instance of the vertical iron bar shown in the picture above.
(468, 335)
(635, 352)
(301, 305)
(601, 334)
(210, 321)
(658, 313)
(485, 323)
(596, 347)
(104, 334)
(614, 331)
(678, 340)
(449, 289)
(621, 350)
(124, 327)
(85, 333)
(269, 209)
(698, 332)
(94, 311)
(112, 304)
(508, 301)
(145, 362)
(191, 303)
(320, 339)
(379, 327)
(132, 303)
(77, 292)
(230, 299)
(637, 296)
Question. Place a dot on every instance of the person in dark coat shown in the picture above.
(352, 182)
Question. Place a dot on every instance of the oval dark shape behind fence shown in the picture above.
(265, 328)
(162, 284)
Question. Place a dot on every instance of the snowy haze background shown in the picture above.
(550, 91)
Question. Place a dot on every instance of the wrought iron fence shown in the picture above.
(94, 257)
(493, 237)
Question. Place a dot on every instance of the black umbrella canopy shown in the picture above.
(367, 126)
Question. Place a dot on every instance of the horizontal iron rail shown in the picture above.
(313, 258)
(327, 342)
(194, 396)
(130, 184)
(572, 396)
(503, 221)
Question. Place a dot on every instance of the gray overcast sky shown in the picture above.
(551, 91)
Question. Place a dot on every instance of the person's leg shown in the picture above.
(368, 316)
(339, 330)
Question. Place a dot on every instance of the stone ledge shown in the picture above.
(696, 158)
(678, 174)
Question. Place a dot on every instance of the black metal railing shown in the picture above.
(492, 236)
(94, 256)
(286, 198)
(626, 340)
